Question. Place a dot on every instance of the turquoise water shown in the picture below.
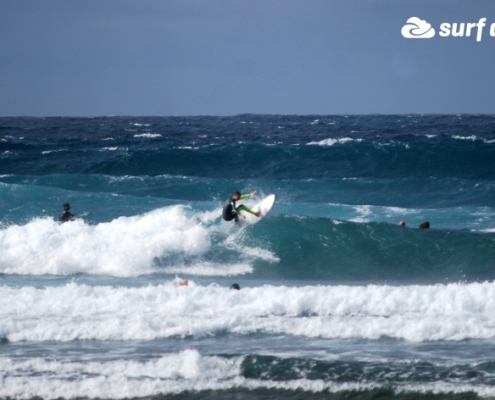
(336, 298)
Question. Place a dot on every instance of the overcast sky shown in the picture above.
(226, 57)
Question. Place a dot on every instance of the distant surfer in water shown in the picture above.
(66, 214)
(231, 211)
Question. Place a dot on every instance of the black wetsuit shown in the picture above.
(66, 216)
(231, 211)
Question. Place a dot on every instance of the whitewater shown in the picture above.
(132, 299)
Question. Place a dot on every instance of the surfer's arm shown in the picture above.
(247, 196)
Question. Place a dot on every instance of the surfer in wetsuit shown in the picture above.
(231, 211)
(66, 214)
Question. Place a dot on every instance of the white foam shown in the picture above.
(114, 379)
(110, 148)
(364, 212)
(210, 269)
(208, 217)
(414, 313)
(52, 151)
(126, 246)
(232, 242)
(173, 373)
(488, 230)
(148, 135)
(368, 213)
(332, 141)
(472, 137)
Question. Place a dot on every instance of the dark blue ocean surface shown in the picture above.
(337, 300)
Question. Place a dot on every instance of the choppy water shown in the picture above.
(337, 299)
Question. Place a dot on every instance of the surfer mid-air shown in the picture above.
(231, 211)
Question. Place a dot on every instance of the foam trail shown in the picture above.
(414, 313)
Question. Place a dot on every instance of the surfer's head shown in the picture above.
(66, 206)
(236, 196)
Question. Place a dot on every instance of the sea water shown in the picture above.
(337, 300)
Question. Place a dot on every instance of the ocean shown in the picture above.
(336, 300)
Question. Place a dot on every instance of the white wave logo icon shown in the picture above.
(416, 28)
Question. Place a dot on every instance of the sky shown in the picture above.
(229, 57)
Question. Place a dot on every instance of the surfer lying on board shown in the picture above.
(230, 211)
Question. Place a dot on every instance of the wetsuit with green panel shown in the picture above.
(230, 211)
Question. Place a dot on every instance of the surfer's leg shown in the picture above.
(242, 207)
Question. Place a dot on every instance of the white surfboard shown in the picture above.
(264, 206)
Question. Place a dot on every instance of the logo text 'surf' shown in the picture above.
(416, 28)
